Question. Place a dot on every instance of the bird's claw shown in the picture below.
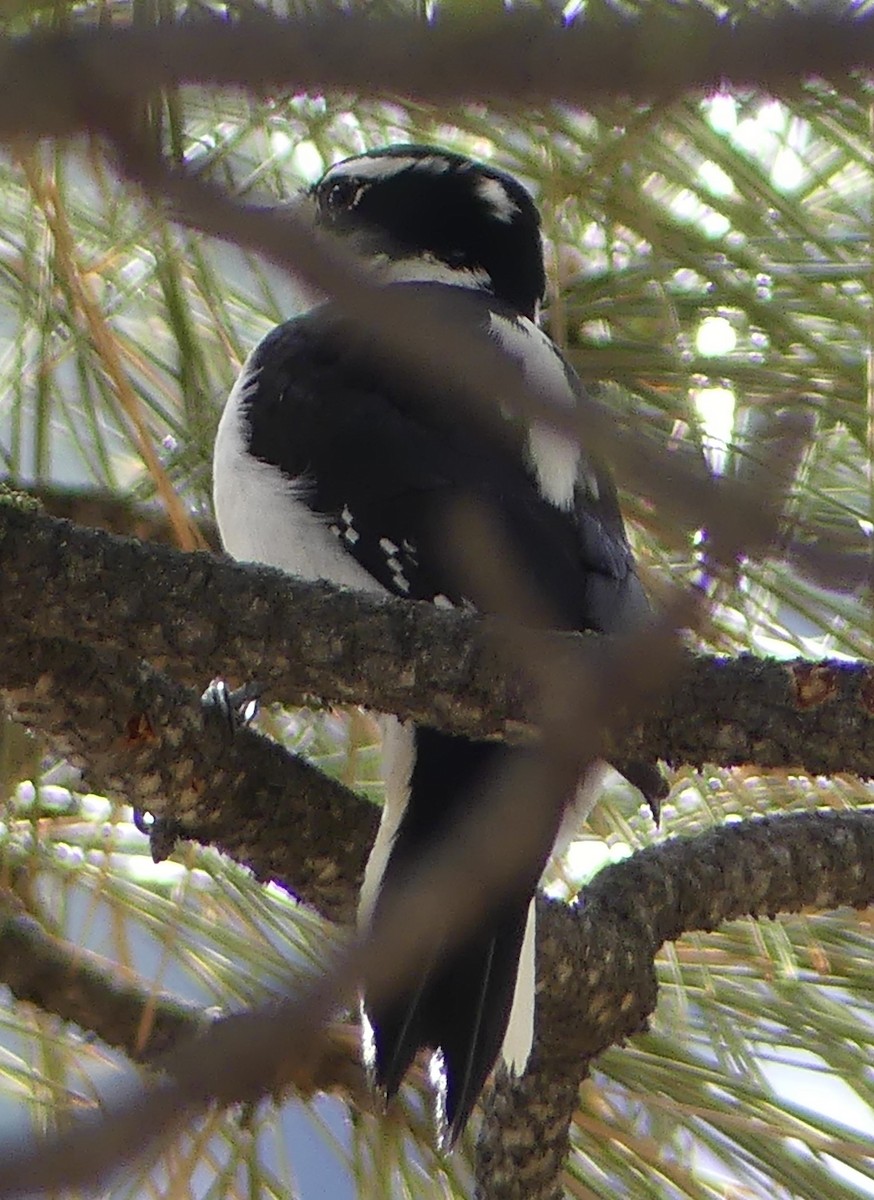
(237, 709)
(647, 778)
(163, 834)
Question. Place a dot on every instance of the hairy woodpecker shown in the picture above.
(332, 464)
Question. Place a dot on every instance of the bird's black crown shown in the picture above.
(439, 215)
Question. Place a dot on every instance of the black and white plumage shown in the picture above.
(332, 465)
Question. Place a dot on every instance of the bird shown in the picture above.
(333, 463)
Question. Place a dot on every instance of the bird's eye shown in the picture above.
(342, 194)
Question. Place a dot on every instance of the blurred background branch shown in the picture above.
(530, 57)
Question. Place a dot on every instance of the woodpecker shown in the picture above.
(331, 463)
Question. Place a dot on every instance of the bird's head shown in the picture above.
(427, 214)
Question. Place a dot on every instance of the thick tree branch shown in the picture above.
(616, 951)
(510, 59)
(322, 859)
(597, 984)
(596, 977)
(523, 1143)
(142, 737)
(426, 909)
(203, 615)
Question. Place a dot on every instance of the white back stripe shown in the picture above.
(555, 457)
(384, 166)
(426, 268)
(556, 460)
(493, 192)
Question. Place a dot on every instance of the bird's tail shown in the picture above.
(460, 1005)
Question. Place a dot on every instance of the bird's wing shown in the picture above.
(382, 464)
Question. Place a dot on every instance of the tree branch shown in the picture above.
(142, 737)
(205, 615)
(76, 986)
(147, 1026)
(142, 734)
(596, 981)
(507, 59)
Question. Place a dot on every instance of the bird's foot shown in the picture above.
(648, 778)
(237, 709)
(163, 834)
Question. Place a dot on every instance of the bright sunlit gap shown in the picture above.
(715, 410)
(771, 134)
(715, 336)
(717, 181)
(307, 160)
(572, 10)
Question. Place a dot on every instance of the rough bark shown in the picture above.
(198, 615)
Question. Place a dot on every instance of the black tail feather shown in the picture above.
(461, 1008)
(461, 1005)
